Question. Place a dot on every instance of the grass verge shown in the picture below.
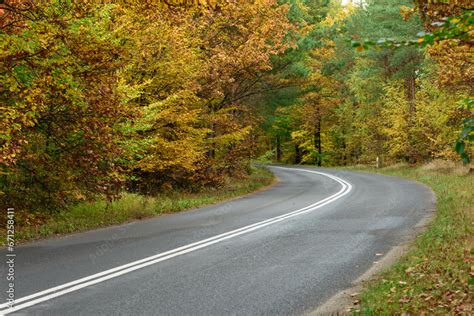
(87, 216)
(436, 276)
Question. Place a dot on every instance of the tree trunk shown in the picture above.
(297, 154)
(344, 153)
(317, 136)
(410, 95)
(410, 91)
(278, 149)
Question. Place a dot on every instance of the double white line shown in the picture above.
(66, 288)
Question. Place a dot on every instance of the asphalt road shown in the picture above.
(285, 250)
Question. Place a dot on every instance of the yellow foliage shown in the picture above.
(428, 130)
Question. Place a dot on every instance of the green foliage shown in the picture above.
(458, 28)
(395, 104)
(450, 27)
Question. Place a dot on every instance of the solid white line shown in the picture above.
(63, 289)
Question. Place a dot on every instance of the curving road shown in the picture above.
(285, 250)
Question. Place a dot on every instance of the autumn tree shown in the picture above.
(59, 103)
(239, 42)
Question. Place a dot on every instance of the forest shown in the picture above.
(112, 111)
(98, 97)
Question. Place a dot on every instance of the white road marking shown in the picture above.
(63, 289)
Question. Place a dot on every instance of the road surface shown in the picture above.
(285, 250)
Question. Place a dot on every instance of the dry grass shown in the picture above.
(447, 167)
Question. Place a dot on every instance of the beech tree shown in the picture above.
(101, 93)
(59, 103)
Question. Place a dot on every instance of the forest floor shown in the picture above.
(436, 275)
(131, 206)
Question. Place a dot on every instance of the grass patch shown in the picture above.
(129, 206)
(436, 276)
